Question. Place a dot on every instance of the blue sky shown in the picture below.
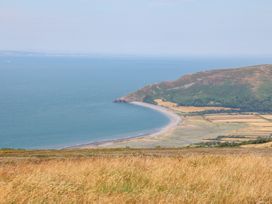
(138, 27)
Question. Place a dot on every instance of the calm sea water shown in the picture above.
(54, 102)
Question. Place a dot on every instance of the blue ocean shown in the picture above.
(56, 102)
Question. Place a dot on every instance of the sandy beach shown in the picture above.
(174, 120)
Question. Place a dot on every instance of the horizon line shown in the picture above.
(118, 55)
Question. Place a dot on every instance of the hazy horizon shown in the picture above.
(30, 53)
(138, 28)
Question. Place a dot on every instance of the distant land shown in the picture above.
(15, 53)
(248, 89)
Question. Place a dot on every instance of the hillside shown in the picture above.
(248, 88)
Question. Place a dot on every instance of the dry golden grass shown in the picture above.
(264, 145)
(253, 125)
(236, 118)
(231, 116)
(193, 178)
(187, 109)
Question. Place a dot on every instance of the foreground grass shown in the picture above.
(122, 176)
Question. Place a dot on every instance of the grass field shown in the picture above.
(190, 175)
(255, 125)
(196, 127)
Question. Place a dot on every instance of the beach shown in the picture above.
(174, 120)
(173, 117)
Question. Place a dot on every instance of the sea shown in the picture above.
(52, 102)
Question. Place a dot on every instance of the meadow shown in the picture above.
(188, 175)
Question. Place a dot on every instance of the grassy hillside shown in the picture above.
(136, 176)
(249, 89)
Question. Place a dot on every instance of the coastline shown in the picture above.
(174, 120)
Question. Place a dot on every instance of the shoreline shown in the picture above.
(174, 120)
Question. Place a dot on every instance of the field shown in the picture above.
(255, 125)
(190, 175)
(196, 127)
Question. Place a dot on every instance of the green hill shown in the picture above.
(249, 89)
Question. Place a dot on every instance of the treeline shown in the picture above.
(259, 140)
(226, 95)
(244, 105)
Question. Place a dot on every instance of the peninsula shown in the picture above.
(217, 107)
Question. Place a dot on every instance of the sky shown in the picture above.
(138, 27)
